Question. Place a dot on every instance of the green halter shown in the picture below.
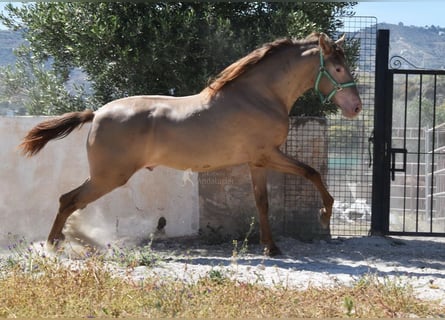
(337, 86)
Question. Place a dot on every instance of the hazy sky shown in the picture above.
(416, 13)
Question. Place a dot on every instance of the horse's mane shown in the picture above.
(242, 65)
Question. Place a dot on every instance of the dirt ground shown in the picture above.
(418, 262)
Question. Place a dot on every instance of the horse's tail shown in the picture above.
(56, 128)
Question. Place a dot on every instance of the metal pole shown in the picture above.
(382, 137)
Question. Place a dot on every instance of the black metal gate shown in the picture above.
(409, 147)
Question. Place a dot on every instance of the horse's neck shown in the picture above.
(284, 76)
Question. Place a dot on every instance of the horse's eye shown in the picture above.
(338, 69)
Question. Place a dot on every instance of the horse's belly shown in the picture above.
(202, 158)
(200, 143)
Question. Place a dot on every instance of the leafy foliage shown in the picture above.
(406, 95)
(130, 48)
(43, 92)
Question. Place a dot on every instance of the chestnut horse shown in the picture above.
(241, 117)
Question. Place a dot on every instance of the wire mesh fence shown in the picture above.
(344, 159)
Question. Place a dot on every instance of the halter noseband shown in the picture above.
(337, 86)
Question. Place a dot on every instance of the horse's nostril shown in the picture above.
(358, 109)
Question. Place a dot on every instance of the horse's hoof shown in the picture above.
(54, 242)
(272, 251)
(324, 218)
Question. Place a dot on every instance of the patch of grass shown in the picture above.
(53, 289)
(33, 285)
(133, 257)
(217, 275)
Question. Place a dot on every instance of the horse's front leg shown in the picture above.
(259, 183)
(280, 162)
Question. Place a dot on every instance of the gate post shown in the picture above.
(382, 137)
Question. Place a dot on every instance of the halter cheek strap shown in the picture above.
(323, 72)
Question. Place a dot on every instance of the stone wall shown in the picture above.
(227, 205)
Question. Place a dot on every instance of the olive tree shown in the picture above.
(127, 48)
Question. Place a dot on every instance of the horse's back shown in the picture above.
(176, 108)
(146, 130)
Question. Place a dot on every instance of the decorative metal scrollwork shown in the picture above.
(397, 62)
(347, 13)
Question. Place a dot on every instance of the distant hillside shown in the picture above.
(9, 40)
(423, 47)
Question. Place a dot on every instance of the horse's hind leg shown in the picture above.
(259, 184)
(280, 162)
(79, 198)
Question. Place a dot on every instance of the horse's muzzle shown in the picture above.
(353, 111)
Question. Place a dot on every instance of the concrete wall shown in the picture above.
(30, 189)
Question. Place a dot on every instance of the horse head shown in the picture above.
(334, 81)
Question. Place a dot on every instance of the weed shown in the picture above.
(243, 249)
(217, 276)
(349, 305)
(133, 257)
(212, 235)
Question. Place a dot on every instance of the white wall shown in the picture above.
(30, 189)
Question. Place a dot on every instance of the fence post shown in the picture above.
(382, 137)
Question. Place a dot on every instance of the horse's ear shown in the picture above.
(325, 44)
(341, 41)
